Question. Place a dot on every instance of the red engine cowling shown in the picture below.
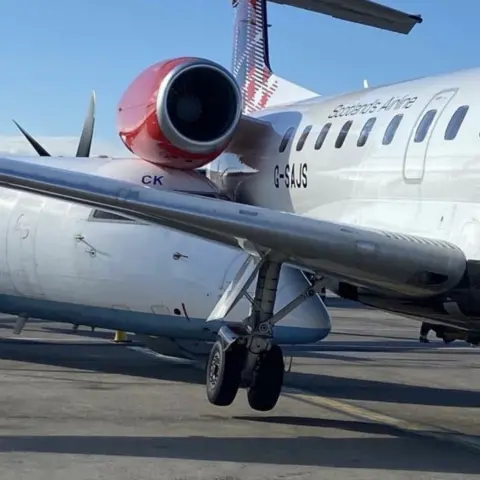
(180, 113)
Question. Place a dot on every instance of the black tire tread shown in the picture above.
(267, 380)
(225, 391)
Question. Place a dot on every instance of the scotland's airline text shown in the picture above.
(394, 103)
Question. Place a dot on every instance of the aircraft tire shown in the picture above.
(267, 380)
(223, 373)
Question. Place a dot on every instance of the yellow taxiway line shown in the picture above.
(345, 408)
(417, 428)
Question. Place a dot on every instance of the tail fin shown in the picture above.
(251, 63)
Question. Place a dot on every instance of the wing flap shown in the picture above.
(404, 264)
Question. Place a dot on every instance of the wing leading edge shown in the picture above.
(376, 259)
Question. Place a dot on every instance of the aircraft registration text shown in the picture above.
(292, 175)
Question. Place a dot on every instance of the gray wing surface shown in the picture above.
(376, 259)
(364, 12)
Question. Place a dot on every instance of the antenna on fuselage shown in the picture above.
(365, 83)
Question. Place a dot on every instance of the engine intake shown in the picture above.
(180, 113)
(201, 103)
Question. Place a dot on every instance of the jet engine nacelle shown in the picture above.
(180, 113)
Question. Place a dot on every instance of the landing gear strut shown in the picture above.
(246, 355)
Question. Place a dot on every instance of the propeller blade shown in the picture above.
(85, 143)
(38, 148)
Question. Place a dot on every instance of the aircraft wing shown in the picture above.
(378, 259)
(364, 12)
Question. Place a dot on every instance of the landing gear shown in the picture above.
(247, 356)
(227, 369)
(224, 370)
(267, 380)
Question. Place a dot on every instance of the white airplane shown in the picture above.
(72, 263)
(374, 193)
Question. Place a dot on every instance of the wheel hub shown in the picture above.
(214, 370)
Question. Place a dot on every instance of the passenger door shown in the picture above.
(417, 146)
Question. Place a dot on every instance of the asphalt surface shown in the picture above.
(370, 402)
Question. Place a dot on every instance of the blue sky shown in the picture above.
(54, 52)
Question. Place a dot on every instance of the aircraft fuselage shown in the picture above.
(71, 263)
(401, 158)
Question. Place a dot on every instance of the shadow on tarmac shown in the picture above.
(386, 453)
(117, 359)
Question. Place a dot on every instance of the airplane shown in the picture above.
(371, 194)
(72, 263)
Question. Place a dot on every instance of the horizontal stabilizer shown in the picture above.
(364, 12)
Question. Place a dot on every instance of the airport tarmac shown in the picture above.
(369, 402)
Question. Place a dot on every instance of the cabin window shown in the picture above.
(286, 138)
(367, 128)
(424, 126)
(455, 122)
(103, 215)
(343, 134)
(303, 137)
(322, 136)
(392, 129)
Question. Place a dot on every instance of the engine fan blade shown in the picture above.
(38, 148)
(85, 143)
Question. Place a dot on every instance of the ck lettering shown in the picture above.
(152, 180)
